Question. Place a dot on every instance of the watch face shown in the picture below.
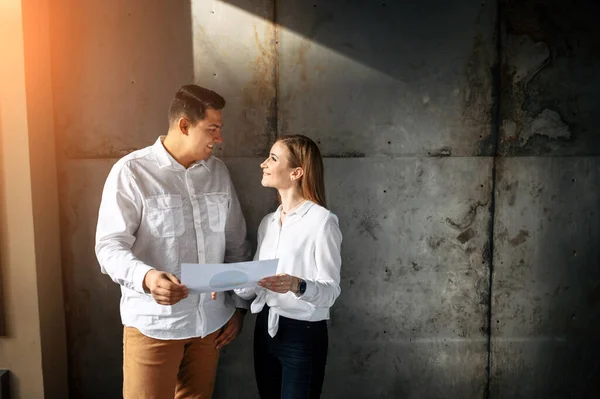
(302, 287)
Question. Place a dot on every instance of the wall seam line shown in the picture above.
(496, 104)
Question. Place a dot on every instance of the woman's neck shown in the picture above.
(290, 198)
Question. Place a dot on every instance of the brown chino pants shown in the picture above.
(167, 369)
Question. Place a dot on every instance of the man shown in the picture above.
(164, 205)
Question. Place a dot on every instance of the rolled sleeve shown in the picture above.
(245, 293)
(139, 273)
(118, 220)
(239, 301)
(311, 291)
(325, 288)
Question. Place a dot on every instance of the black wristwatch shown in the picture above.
(301, 288)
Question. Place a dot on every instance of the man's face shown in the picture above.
(204, 135)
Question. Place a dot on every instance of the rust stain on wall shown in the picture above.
(260, 94)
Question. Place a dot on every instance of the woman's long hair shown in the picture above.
(305, 154)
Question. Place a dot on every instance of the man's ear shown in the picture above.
(297, 173)
(183, 124)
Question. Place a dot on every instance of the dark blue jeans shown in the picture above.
(291, 365)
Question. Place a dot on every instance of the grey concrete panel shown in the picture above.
(235, 378)
(116, 66)
(392, 78)
(414, 301)
(546, 289)
(94, 329)
(92, 299)
(234, 54)
(255, 199)
(550, 77)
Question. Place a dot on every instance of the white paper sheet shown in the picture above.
(200, 278)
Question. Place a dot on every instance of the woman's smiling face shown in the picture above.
(276, 170)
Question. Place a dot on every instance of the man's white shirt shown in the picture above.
(156, 214)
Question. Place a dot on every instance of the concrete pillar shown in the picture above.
(33, 344)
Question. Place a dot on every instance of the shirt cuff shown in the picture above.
(139, 273)
(244, 293)
(239, 302)
(310, 292)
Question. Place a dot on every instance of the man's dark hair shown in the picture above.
(192, 101)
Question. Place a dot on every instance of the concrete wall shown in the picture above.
(460, 159)
(546, 280)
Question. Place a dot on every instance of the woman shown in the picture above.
(290, 338)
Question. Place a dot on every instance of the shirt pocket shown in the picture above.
(217, 206)
(165, 215)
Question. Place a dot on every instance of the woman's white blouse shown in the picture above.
(307, 246)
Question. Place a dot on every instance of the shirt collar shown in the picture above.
(300, 211)
(164, 159)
